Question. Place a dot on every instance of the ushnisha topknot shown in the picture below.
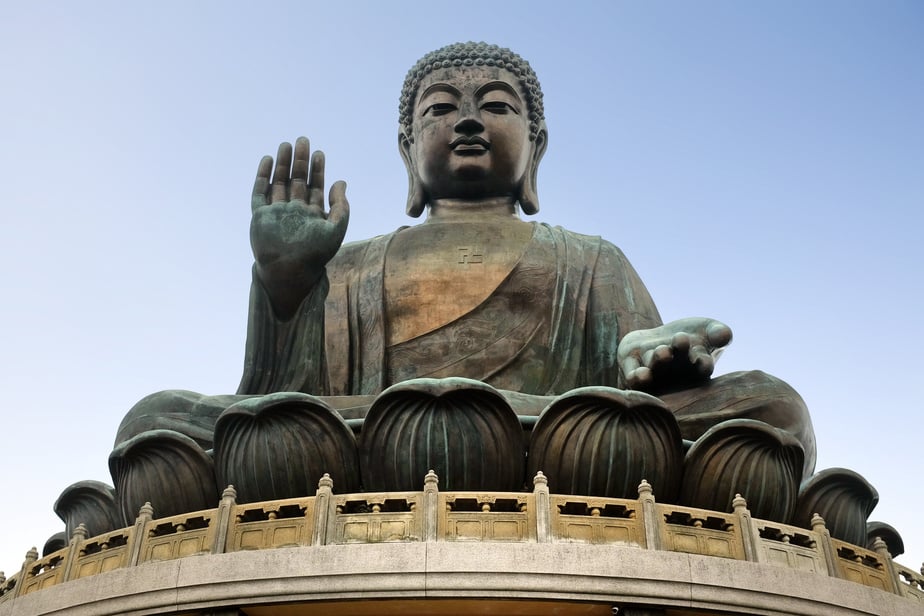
(472, 54)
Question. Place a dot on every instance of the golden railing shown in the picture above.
(431, 515)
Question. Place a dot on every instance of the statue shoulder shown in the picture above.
(353, 254)
(606, 248)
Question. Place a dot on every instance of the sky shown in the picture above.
(761, 163)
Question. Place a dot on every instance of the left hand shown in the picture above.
(674, 356)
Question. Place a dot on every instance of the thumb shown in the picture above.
(718, 334)
(339, 206)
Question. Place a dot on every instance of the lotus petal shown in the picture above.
(600, 441)
(279, 445)
(168, 469)
(460, 428)
(747, 457)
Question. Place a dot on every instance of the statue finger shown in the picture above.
(281, 174)
(657, 356)
(718, 335)
(316, 180)
(261, 183)
(703, 363)
(640, 378)
(681, 343)
(298, 187)
(339, 215)
(629, 365)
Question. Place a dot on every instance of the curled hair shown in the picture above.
(472, 54)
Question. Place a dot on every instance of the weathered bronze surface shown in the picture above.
(463, 429)
(289, 438)
(91, 503)
(744, 452)
(843, 498)
(601, 441)
(529, 310)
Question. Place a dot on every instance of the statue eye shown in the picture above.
(438, 109)
(498, 107)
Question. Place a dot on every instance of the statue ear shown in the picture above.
(529, 197)
(416, 199)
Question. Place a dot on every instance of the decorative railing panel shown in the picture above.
(699, 531)
(274, 524)
(790, 546)
(45, 572)
(497, 516)
(862, 566)
(101, 554)
(910, 583)
(596, 520)
(179, 536)
(377, 518)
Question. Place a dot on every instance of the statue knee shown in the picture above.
(745, 395)
(172, 409)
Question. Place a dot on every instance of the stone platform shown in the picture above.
(433, 552)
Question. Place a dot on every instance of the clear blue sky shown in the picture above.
(761, 163)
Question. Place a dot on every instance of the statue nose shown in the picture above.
(469, 121)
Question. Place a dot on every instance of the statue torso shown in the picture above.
(439, 271)
(510, 303)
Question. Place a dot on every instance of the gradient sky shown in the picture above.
(761, 163)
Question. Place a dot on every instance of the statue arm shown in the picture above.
(293, 239)
(619, 303)
(285, 355)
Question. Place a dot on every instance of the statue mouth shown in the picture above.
(469, 146)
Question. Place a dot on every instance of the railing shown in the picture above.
(431, 515)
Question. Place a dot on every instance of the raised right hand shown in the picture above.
(292, 236)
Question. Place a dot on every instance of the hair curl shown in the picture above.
(472, 54)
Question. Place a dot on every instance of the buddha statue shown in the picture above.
(525, 317)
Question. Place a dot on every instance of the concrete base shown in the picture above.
(445, 577)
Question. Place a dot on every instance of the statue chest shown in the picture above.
(437, 273)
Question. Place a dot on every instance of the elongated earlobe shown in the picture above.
(416, 202)
(416, 199)
(529, 196)
(529, 200)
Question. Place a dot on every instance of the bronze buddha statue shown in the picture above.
(528, 311)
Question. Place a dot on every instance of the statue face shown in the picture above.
(471, 134)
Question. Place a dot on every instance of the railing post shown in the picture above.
(827, 548)
(543, 508)
(31, 557)
(78, 537)
(322, 509)
(430, 512)
(145, 515)
(882, 549)
(224, 519)
(649, 516)
(749, 538)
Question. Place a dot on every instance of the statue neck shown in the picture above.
(473, 210)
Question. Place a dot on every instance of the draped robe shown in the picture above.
(551, 325)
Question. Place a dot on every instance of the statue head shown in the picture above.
(471, 125)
